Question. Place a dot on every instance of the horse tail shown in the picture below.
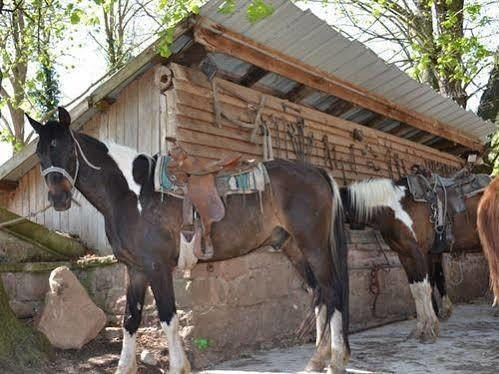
(339, 253)
(488, 231)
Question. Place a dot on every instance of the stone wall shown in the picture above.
(257, 301)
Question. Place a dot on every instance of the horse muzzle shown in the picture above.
(60, 200)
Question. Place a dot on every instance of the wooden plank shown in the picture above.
(8, 185)
(120, 117)
(131, 115)
(218, 38)
(253, 75)
(111, 127)
(194, 81)
(341, 136)
(146, 119)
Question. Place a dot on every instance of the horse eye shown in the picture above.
(53, 143)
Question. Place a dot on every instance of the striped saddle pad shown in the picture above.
(250, 180)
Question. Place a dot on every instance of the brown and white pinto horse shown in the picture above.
(300, 212)
(488, 230)
(406, 227)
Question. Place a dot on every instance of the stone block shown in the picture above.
(10, 281)
(32, 286)
(69, 318)
(467, 276)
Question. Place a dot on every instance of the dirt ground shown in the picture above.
(468, 343)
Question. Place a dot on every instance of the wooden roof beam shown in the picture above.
(253, 75)
(338, 108)
(6, 185)
(218, 38)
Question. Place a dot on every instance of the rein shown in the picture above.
(56, 169)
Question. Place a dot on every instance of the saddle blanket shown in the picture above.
(249, 181)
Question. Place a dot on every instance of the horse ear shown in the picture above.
(64, 117)
(142, 168)
(37, 126)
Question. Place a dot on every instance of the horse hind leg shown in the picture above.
(332, 341)
(322, 338)
(134, 304)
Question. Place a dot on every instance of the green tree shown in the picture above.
(121, 27)
(29, 33)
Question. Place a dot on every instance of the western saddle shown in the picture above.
(446, 198)
(197, 179)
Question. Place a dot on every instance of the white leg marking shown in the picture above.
(320, 323)
(427, 322)
(339, 354)
(128, 360)
(178, 359)
(367, 196)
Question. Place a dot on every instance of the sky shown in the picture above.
(89, 63)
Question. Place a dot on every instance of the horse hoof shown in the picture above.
(426, 335)
(132, 369)
(335, 370)
(447, 307)
(315, 366)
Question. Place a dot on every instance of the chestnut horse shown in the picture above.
(300, 212)
(488, 230)
(406, 227)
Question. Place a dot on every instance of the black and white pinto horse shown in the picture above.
(302, 215)
(407, 228)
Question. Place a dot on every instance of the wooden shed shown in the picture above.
(308, 92)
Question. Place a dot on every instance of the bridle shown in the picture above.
(65, 174)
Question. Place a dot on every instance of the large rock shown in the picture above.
(69, 318)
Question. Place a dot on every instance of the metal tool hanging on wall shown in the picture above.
(302, 144)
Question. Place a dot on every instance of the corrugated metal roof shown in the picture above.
(302, 35)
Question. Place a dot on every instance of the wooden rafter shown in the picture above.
(338, 108)
(253, 75)
(8, 185)
(191, 55)
(216, 37)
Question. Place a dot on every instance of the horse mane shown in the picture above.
(89, 140)
(366, 197)
(488, 231)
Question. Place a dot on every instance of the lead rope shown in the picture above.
(23, 218)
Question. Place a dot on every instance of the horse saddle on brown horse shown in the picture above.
(446, 196)
(198, 179)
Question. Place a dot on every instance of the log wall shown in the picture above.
(193, 121)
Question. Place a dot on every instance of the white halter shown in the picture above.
(56, 169)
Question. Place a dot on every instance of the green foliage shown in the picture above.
(173, 12)
(45, 93)
(258, 10)
(202, 343)
(7, 137)
(29, 44)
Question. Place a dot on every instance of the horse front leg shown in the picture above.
(416, 267)
(162, 288)
(134, 304)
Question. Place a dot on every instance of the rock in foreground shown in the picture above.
(69, 318)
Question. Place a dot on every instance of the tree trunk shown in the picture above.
(489, 102)
(22, 348)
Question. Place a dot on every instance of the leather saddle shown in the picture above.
(197, 177)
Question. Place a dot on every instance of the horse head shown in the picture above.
(58, 158)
